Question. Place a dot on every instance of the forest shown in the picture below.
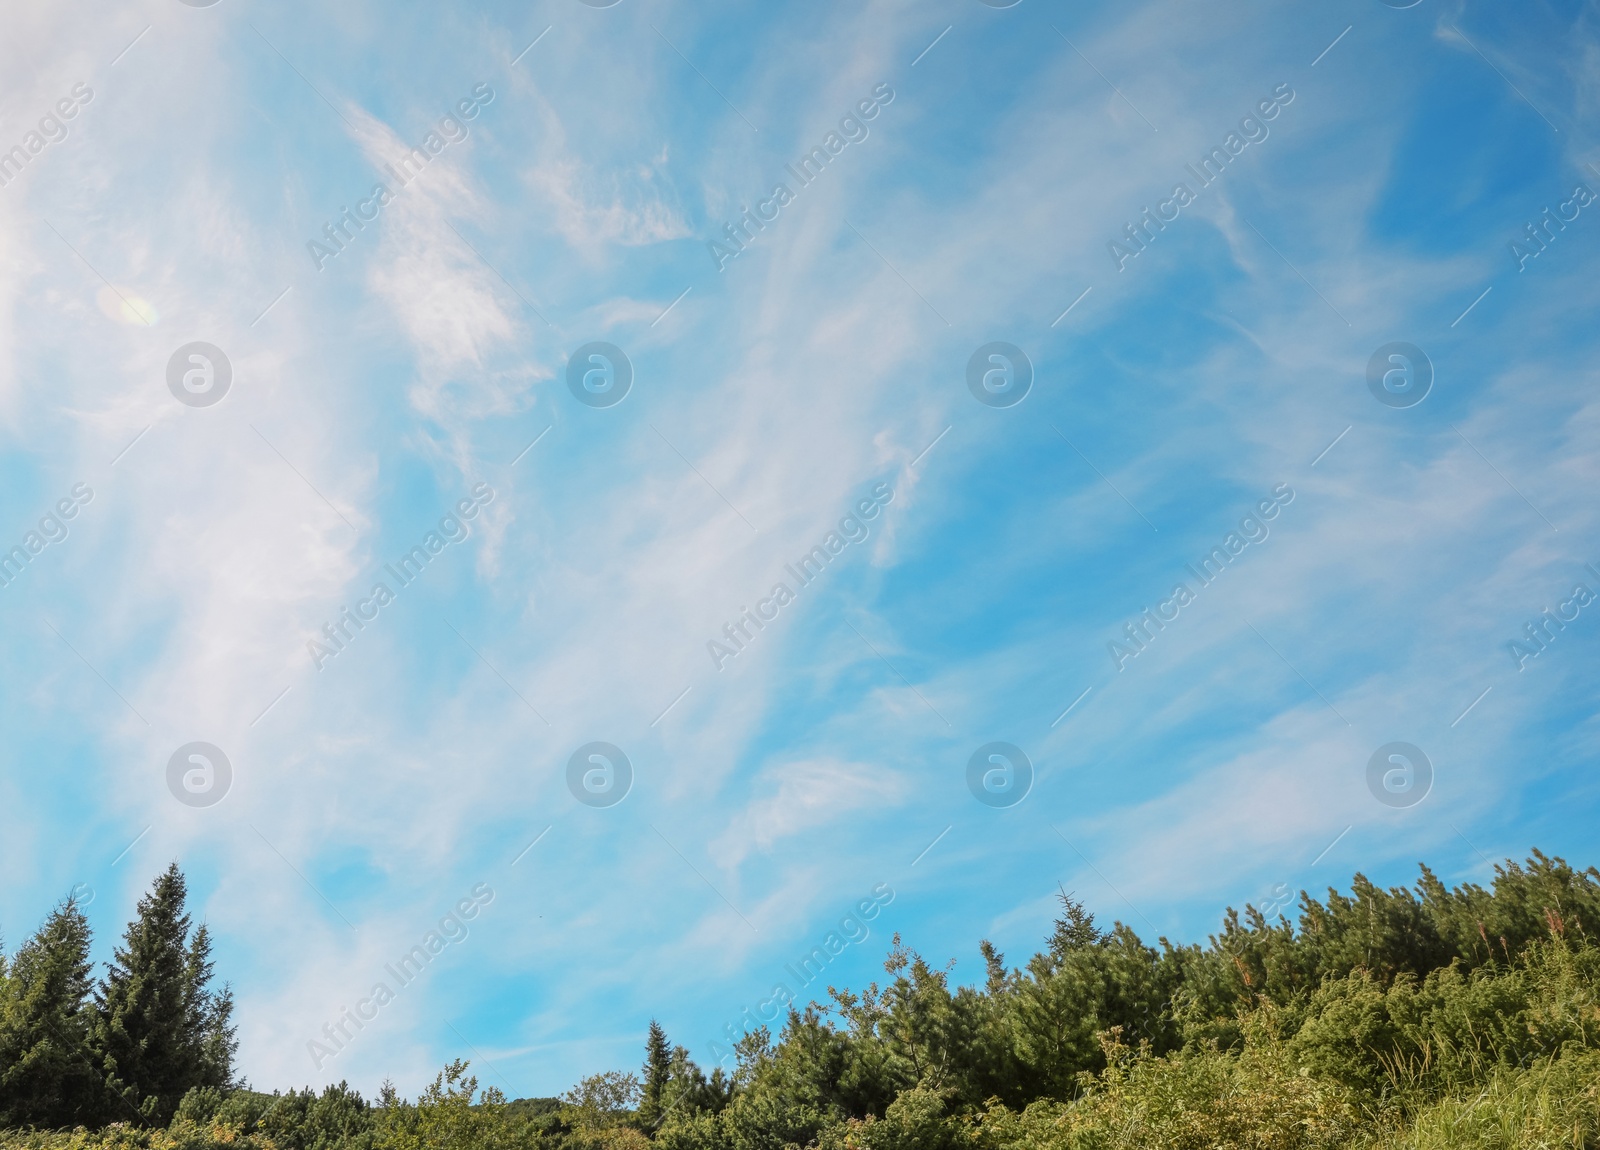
(1420, 1017)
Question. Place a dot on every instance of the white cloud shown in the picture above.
(810, 793)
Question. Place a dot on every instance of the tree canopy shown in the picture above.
(128, 1047)
(1418, 1017)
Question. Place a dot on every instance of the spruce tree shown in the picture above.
(1074, 930)
(158, 1030)
(209, 1017)
(657, 1069)
(47, 1077)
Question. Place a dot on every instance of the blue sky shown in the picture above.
(1223, 365)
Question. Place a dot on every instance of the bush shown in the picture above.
(1556, 1103)
(1194, 1100)
(1453, 1030)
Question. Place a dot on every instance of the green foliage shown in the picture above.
(1192, 1100)
(1553, 1104)
(1354, 1024)
(305, 1120)
(151, 1031)
(601, 1100)
(445, 1117)
(915, 1120)
(1402, 1019)
(47, 1076)
(158, 1030)
(1452, 1030)
(657, 1070)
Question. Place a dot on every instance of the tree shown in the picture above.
(1074, 930)
(47, 1078)
(338, 1119)
(602, 1099)
(657, 1069)
(449, 1113)
(158, 1030)
(209, 1016)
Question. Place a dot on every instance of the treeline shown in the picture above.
(1420, 1017)
(75, 1051)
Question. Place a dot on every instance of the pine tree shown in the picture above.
(47, 1078)
(158, 1030)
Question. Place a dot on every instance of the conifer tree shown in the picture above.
(1074, 930)
(47, 1078)
(209, 1016)
(657, 1069)
(158, 1030)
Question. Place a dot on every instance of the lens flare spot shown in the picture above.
(124, 306)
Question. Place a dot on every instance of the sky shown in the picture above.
(1168, 425)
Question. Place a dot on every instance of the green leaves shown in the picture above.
(449, 1115)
